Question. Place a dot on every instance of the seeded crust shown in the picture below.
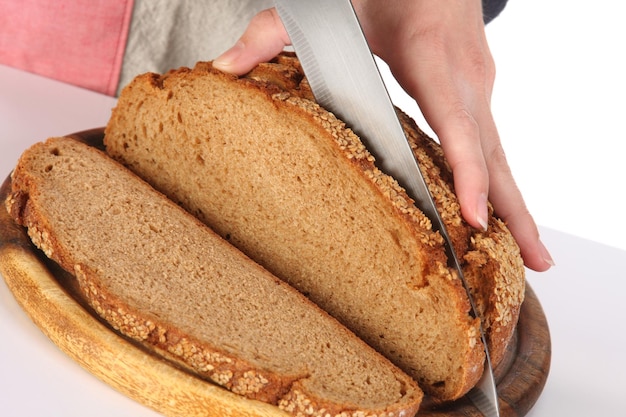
(294, 188)
(158, 275)
(491, 260)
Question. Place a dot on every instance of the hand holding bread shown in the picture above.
(439, 54)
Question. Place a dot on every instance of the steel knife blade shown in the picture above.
(343, 75)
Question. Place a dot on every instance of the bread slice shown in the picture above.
(294, 188)
(159, 276)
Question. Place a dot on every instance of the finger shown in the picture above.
(509, 205)
(459, 134)
(506, 197)
(264, 38)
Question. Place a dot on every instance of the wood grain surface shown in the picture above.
(49, 297)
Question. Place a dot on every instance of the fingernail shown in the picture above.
(545, 254)
(227, 59)
(482, 213)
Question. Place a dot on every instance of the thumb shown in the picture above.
(264, 38)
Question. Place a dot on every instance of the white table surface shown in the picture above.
(549, 116)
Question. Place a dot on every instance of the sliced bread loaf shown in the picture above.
(294, 188)
(161, 277)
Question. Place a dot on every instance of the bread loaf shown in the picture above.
(161, 277)
(294, 188)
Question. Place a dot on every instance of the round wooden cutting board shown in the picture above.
(49, 296)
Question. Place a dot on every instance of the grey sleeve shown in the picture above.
(492, 8)
(167, 34)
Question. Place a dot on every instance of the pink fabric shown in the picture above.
(80, 42)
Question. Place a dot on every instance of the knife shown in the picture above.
(345, 80)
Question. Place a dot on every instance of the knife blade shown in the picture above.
(343, 75)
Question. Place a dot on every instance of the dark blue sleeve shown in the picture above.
(492, 8)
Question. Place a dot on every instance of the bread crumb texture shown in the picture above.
(293, 187)
(159, 276)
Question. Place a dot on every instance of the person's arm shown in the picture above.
(438, 52)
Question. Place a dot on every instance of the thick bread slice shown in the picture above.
(295, 189)
(161, 277)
